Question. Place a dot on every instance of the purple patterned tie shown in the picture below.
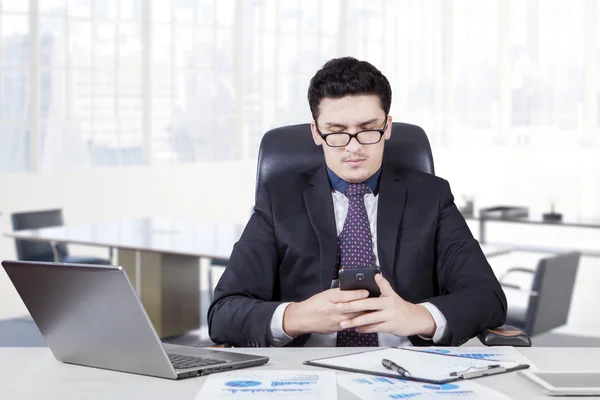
(355, 249)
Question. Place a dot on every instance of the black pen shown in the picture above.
(394, 367)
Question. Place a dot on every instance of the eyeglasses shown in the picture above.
(341, 139)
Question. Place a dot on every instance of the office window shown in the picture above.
(90, 97)
(475, 67)
(284, 43)
(410, 40)
(596, 58)
(14, 87)
(365, 30)
(547, 62)
(82, 106)
(92, 83)
(187, 73)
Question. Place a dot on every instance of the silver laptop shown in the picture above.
(90, 315)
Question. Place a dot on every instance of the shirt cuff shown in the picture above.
(440, 323)
(276, 336)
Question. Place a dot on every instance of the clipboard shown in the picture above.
(423, 366)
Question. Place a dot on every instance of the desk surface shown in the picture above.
(28, 373)
(162, 235)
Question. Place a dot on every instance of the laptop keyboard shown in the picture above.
(180, 361)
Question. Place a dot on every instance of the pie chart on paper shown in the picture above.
(242, 384)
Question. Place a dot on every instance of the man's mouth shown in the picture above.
(355, 162)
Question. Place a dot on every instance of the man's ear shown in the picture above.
(388, 131)
(315, 135)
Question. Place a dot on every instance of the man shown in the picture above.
(436, 285)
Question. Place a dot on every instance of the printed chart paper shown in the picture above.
(266, 384)
(500, 353)
(369, 387)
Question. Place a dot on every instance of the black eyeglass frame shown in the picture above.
(352, 135)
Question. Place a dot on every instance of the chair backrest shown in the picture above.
(29, 250)
(553, 282)
(288, 149)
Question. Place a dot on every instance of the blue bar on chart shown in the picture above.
(284, 383)
(405, 395)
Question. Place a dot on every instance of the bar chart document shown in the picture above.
(498, 353)
(368, 387)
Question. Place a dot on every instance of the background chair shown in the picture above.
(286, 150)
(29, 250)
(541, 299)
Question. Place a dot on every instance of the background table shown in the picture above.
(534, 219)
(162, 257)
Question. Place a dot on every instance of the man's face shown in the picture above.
(353, 162)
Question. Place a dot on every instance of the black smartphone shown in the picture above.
(360, 278)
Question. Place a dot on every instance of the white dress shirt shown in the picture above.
(276, 335)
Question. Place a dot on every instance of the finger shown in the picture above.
(372, 328)
(344, 317)
(369, 304)
(343, 296)
(366, 319)
(384, 286)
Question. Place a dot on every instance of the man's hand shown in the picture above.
(387, 313)
(320, 313)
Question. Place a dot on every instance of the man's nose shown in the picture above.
(353, 146)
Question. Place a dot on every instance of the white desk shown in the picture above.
(32, 373)
(161, 256)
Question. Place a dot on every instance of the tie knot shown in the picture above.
(357, 190)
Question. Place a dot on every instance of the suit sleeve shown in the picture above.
(242, 308)
(471, 297)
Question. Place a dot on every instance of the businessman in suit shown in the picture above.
(279, 287)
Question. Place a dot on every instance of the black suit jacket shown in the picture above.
(287, 253)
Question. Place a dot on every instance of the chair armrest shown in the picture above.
(55, 252)
(516, 269)
(505, 335)
(520, 289)
(510, 285)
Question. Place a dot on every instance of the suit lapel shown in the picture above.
(319, 205)
(392, 198)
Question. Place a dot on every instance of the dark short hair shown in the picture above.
(348, 76)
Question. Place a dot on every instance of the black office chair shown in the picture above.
(542, 303)
(29, 250)
(286, 150)
(291, 148)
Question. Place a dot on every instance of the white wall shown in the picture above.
(528, 177)
(225, 191)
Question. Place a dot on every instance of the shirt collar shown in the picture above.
(341, 185)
